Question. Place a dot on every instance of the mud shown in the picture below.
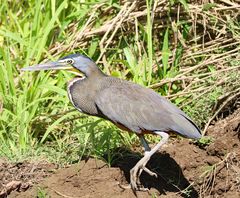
(184, 169)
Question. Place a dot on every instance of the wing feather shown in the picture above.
(138, 108)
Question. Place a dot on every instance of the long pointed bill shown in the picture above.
(48, 66)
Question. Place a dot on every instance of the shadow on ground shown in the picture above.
(170, 176)
(94, 178)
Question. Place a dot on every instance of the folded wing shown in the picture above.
(141, 109)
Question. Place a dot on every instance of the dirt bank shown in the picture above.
(183, 167)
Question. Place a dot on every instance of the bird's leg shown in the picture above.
(146, 151)
(142, 162)
(144, 143)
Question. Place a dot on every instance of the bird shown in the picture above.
(131, 107)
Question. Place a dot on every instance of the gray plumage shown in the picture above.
(130, 106)
(137, 108)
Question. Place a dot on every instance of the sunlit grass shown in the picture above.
(32, 101)
(37, 118)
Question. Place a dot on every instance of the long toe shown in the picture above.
(139, 174)
(149, 172)
(144, 168)
(134, 178)
(125, 187)
(136, 171)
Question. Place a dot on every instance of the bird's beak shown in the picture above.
(48, 66)
(53, 66)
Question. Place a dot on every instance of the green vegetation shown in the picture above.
(164, 52)
(41, 193)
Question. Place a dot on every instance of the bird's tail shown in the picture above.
(186, 127)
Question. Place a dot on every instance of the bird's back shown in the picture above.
(140, 109)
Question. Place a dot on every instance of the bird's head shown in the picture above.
(76, 63)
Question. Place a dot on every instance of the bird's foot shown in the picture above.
(147, 171)
(129, 186)
(135, 173)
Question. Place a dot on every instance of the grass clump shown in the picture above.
(163, 45)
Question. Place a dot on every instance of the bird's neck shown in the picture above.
(94, 73)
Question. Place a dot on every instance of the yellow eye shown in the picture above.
(70, 61)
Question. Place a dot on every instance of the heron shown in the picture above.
(129, 106)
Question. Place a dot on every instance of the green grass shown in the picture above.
(37, 119)
(32, 102)
(41, 193)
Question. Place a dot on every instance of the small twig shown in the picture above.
(80, 34)
(198, 96)
(212, 60)
(219, 110)
(119, 23)
(208, 74)
(229, 2)
(211, 49)
(61, 194)
(184, 93)
(115, 21)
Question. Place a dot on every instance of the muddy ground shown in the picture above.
(184, 168)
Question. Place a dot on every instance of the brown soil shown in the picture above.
(184, 169)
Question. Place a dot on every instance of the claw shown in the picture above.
(136, 171)
(149, 172)
(133, 178)
(126, 187)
